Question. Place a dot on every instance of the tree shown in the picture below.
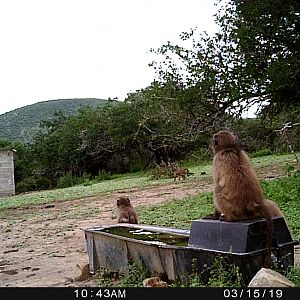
(267, 34)
(252, 59)
(167, 128)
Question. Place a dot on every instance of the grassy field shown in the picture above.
(179, 213)
(127, 181)
(78, 191)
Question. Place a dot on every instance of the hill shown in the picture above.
(21, 123)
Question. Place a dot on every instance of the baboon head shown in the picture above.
(224, 140)
(123, 201)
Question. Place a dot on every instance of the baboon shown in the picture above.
(273, 209)
(180, 173)
(237, 192)
(126, 212)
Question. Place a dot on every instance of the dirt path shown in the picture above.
(42, 245)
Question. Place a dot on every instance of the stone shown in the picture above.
(269, 278)
(154, 282)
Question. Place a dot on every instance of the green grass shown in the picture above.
(293, 274)
(222, 275)
(76, 192)
(274, 159)
(121, 182)
(136, 274)
(286, 193)
(177, 213)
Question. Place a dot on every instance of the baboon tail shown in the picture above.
(269, 238)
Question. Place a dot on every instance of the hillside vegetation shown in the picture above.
(22, 123)
(202, 85)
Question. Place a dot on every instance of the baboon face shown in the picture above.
(224, 140)
(123, 201)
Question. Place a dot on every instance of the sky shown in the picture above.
(62, 49)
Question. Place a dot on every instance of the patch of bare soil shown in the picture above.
(44, 246)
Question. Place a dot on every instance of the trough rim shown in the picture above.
(184, 232)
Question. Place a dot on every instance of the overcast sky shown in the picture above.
(59, 49)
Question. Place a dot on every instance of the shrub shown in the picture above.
(68, 180)
(261, 152)
(137, 273)
(33, 183)
(26, 185)
(103, 175)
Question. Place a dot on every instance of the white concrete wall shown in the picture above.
(7, 181)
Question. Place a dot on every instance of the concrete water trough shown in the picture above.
(173, 254)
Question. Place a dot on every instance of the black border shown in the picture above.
(85, 293)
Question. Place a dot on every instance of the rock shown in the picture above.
(81, 272)
(269, 278)
(154, 282)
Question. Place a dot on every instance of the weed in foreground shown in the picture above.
(134, 278)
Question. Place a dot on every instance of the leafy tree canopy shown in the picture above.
(252, 59)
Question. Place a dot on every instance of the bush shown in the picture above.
(160, 172)
(103, 175)
(137, 273)
(68, 180)
(33, 184)
(261, 152)
(26, 185)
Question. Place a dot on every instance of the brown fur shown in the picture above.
(273, 209)
(180, 173)
(237, 194)
(126, 212)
